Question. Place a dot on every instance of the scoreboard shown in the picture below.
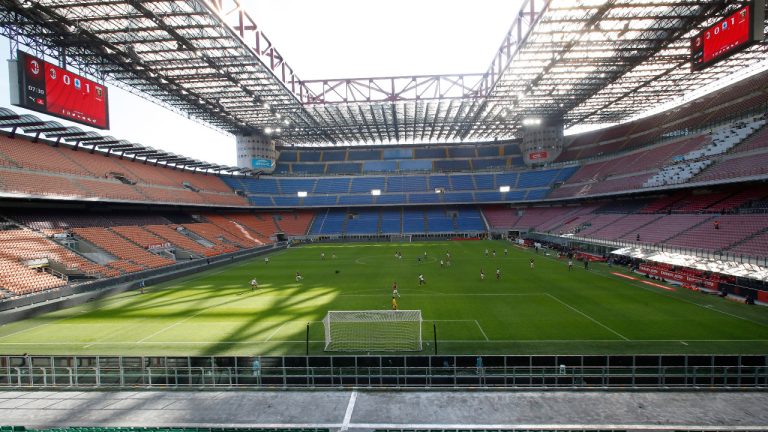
(52, 90)
(737, 31)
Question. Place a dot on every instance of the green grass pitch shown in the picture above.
(545, 310)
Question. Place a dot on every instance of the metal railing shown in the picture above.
(543, 372)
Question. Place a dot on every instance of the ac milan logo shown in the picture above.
(52, 73)
(34, 67)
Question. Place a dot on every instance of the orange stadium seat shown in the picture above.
(121, 247)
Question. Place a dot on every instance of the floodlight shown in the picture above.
(301, 194)
(376, 192)
(503, 188)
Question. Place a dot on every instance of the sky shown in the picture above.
(325, 39)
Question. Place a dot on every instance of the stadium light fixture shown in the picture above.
(503, 188)
(268, 130)
(375, 192)
(439, 190)
(278, 130)
(531, 121)
(301, 194)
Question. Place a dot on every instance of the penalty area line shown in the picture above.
(481, 330)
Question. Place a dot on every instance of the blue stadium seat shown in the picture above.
(292, 186)
(264, 185)
(321, 200)
(512, 149)
(308, 168)
(462, 152)
(391, 199)
(423, 198)
(506, 179)
(416, 165)
(364, 221)
(332, 185)
(357, 199)
(334, 155)
(566, 173)
(438, 220)
(490, 196)
(286, 201)
(430, 153)
(287, 156)
(458, 197)
(397, 154)
(494, 163)
(366, 184)
(484, 182)
(330, 222)
(309, 156)
(462, 182)
(415, 183)
(535, 194)
(531, 179)
(469, 219)
(379, 166)
(413, 220)
(448, 165)
(363, 155)
(488, 151)
(344, 168)
(406, 184)
(282, 168)
(439, 181)
(234, 182)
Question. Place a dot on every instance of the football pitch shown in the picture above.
(544, 310)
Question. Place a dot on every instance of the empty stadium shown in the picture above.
(574, 239)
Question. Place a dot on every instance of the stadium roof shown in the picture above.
(55, 131)
(587, 62)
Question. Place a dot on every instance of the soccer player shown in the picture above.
(486, 251)
(506, 252)
(498, 273)
(298, 277)
(482, 274)
(395, 293)
(394, 303)
(322, 255)
(254, 284)
(421, 280)
(333, 255)
(586, 263)
(570, 264)
(266, 260)
(494, 253)
(442, 264)
(532, 262)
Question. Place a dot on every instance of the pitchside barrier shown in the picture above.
(541, 372)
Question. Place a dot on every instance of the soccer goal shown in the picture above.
(400, 238)
(373, 330)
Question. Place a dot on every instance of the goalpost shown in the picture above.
(400, 238)
(373, 330)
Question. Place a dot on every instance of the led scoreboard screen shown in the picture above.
(52, 90)
(728, 36)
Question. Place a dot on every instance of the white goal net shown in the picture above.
(399, 238)
(373, 330)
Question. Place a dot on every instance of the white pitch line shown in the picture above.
(481, 330)
(588, 317)
(275, 332)
(348, 413)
